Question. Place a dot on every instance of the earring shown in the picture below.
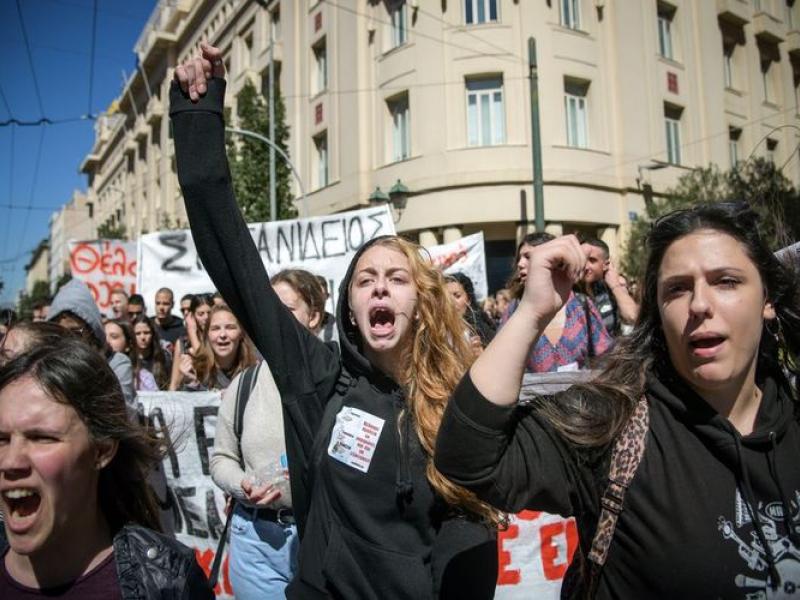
(352, 318)
(773, 327)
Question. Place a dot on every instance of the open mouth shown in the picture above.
(706, 345)
(381, 320)
(23, 504)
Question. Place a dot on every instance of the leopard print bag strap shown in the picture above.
(625, 458)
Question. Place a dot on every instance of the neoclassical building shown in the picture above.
(435, 94)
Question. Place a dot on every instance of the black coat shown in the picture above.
(151, 566)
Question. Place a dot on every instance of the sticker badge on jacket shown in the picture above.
(354, 437)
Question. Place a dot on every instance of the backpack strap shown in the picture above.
(244, 389)
(584, 299)
(625, 458)
(247, 383)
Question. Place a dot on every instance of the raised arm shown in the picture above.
(506, 454)
(299, 362)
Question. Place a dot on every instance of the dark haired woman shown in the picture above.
(573, 337)
(700, 387)
(301, 292)
(153, 363)
(80, 520)
(462, 291)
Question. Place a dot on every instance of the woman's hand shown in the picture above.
(259, 495)
(194, 72)
(553, 268)
(187, 369)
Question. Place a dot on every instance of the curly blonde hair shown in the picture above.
(439, 357)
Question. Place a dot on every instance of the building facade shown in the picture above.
(436, 95)
(75, 221)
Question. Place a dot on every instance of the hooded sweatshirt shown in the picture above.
(74, 297)
(375, 528)
(705, 515)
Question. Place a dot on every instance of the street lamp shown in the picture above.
(273, 210)
(397, 198)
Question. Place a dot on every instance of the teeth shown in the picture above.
(17, 494)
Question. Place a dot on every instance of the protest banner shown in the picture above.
(321, 245)
(188, 420)
(104, 265)
(533, 553)
(467, 256)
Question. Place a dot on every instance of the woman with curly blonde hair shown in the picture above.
(376, 518)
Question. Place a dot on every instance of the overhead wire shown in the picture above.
(91, 57)
(30, 58)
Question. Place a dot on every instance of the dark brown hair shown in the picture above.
(73, 373)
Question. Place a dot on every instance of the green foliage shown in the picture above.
(39, 293)
(106, 231)
(757, 182)
(249, 158)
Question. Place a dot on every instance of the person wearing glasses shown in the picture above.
(697, 404)
(136, 306)
(186, 303)
(74, 309)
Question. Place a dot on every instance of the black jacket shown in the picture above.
(151, 566)
(381, 534)
(704, 516)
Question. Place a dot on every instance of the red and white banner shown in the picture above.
(467, 256)
(104, 265)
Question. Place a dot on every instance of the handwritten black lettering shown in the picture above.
(176, 241)
(309, 235)
(263, 244)
(326, 253)
(204, 444)
(355, 245)
(377, 223)
(193, 520)
(215, 525)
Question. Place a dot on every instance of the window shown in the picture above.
(571, 13)
(666, 14)
(480, 11)
(789, 14)
(321, 70)
(772, 150)
(766, 80)
(275, 24)
(576, 113)
(757, 5)
(734, 133)
(399, 25)
(247, 51)
(321, 146)
(672, 121)
(400, 129)
(485, 112)
(727, 64)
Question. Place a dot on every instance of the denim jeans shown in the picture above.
(263, 556)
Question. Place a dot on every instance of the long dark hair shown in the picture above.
(72, 372)
(477, 320)
(154, 354)
(592, 414)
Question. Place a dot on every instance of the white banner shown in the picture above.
(533, 552)
(322, 245)
(467, 256)
(198, 505)
(104, 265)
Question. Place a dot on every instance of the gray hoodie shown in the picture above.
(74, 297)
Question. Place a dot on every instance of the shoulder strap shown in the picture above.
(247, 382)
(625, 458)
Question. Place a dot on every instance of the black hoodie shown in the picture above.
(382, 533)
(704, 516)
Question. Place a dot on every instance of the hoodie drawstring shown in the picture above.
(792, 528)
(747, 490)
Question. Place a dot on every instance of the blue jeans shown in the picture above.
(263, 556)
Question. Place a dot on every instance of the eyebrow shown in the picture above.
(716, 271)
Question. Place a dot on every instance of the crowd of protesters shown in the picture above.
(376, 452)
